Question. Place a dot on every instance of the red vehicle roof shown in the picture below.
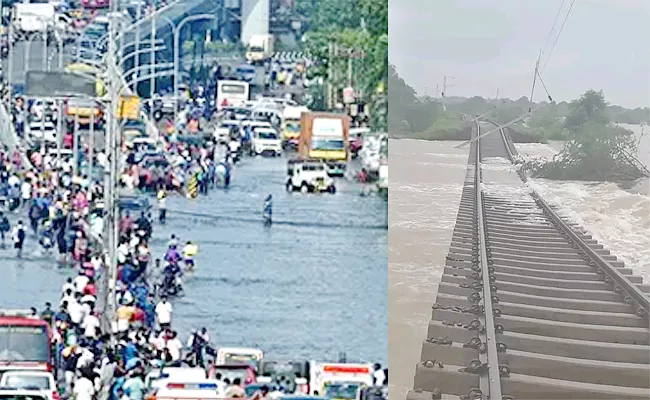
(21, 321)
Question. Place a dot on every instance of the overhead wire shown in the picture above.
(548, 57)
(550, 33)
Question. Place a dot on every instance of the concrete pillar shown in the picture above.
(254, 18)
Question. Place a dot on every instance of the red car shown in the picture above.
(95, 3)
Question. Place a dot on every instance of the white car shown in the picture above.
(40, 382)
(251, 125)
(37, 108)
(38, 130)
(309, 176)
(266, 141)
(206, 389)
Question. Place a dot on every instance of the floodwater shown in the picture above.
(425, 187)
(619, 218)
(309, 287)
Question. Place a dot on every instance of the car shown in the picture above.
(253, 388)
(204, 389)
(246, 73)
(39, 381)
(11, 394)
(38, 131)
(309, 176)
(133, 204)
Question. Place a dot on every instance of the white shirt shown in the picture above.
(128, 180)
(90, 324)
(83, 389)
(13, 180)
(379, 376)
(67, 286)
(76, 312)
(122, 252)
(26, 190)
(126, 296)
(164, 312)
(85, 358)
(157, 342)
(80, 282)
(174, 346)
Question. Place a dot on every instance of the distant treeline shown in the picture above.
(426, 118)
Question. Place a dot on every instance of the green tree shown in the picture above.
(590, 107)
(361, 26)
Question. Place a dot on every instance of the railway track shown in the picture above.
(566, 320)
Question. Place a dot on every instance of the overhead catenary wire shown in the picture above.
(566, 17)
(550, 33)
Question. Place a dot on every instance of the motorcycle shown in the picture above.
(171, 286)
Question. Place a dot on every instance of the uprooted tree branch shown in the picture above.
(595, 149)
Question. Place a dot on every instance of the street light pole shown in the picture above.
(152, 62)
(138, 16)
(10, 58)
(177, 38)
(110, 195)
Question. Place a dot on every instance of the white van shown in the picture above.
(41, 381)
(266, 141)
(266, 114)
(38, 130)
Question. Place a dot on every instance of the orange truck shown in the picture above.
(324, 136)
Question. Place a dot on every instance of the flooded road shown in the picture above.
(309, 287)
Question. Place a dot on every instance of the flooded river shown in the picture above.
(425, 188)
(309, 287)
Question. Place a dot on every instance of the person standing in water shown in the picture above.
(19, 238)
(162, 206)
(268, 210)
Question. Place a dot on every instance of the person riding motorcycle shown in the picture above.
(189, 252)
(172, 256)
(172, 282)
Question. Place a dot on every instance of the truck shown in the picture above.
(38, 17)
(260, 49)
(291, 125)
(25, 341)
(325, 136)
(340, 381)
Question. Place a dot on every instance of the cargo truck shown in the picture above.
(260, 48)
(30, 18)
(324, 136)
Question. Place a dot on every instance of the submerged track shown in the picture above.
(565, 319)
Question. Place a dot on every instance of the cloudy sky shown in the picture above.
(490, 44)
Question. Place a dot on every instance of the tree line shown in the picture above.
(424, 117)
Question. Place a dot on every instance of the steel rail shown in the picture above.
(492, 380)
(633, 295)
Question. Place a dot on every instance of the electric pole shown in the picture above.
(111, 211)
(444, 84)
(532, 91)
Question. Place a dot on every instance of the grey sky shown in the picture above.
(490, 44)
